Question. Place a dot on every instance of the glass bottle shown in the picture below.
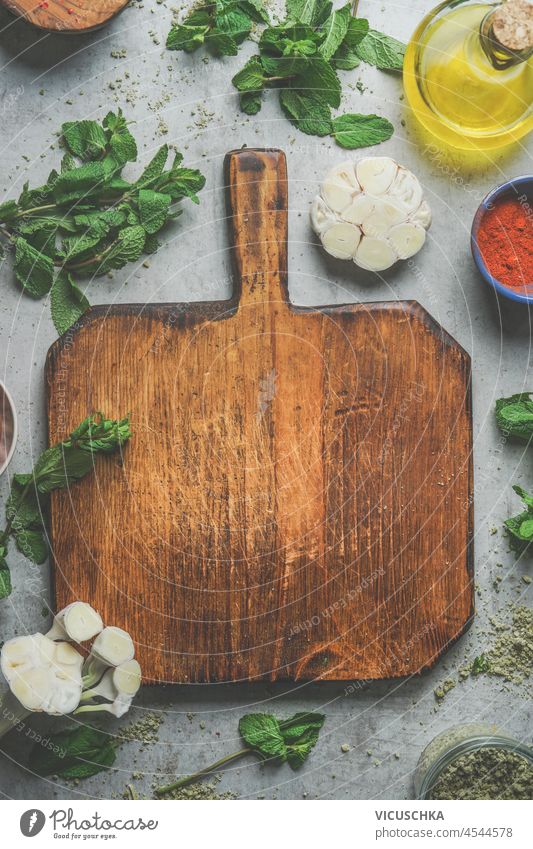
(468, 72)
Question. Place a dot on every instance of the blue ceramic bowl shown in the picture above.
(516, 188)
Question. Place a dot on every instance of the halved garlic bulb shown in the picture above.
(371, 211)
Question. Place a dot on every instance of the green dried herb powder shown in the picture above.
(488, 773)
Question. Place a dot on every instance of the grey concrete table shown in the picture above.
(181, 99)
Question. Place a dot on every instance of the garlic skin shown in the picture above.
(371, 211)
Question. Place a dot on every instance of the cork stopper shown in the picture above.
(512, 25)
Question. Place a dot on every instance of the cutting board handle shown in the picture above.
(257, 200)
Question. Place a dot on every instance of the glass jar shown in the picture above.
(461, 740)
(462, 84)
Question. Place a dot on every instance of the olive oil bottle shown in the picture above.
(468, 72)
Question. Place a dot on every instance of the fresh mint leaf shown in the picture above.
(59, 466)
(154, 169)
(8, 211)
(262, 733)
(234, 23)
(33, 269)
(514, 416)
(251, 102)
(345, 59)
(353, 130)
(381, 50)
(23, 509)
(122, 145)
(335, 30)
(85, 139)
(312, 12)
(307, 111)
(357, 30)
(153, 209)
(6, 586)
(480, 665)
(67, 301)
(255, 10)
(221, 43)
(32, 545)
(251, 77)
(320, 79)
(185, 37)
(76, 753)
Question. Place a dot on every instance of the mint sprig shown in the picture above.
(301, 57)
(278, 740)
(221, 26)
(88, 220)
(56, 468)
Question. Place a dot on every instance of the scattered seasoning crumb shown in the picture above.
(526, 579)
(145, 730)
(345, 747)
(200, 791)
(443, 689)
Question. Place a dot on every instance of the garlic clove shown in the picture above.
(32, 688)
(360, 208)
(345, 172)
(375, 254)
(67, 655)
(407, 239)
(81, 621)
(127, 677)
(406, 188)
(376, 173)
(113, 646)
(341, 240)
(337, 194)
(321, 215)
(422, 215)
(384, 216)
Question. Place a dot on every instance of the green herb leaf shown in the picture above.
(480, 665)
(251, 102)
(5, 580)
(382, 51)
(8, 210)
(32, 545)
(153, 209)
(312, 12)
(33, 269)
(320, 79)
(251, 77)
(287, 740)
(221, 44)
(154, 168)
(122, 145)
(77, 753)
(68, 303)
(307, 111)
(261, 732)
(184, 37)
(514, 416)
(335, 30)
(353, 130)
(85, 139)
(23, 509)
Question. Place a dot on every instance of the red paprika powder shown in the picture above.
(505, 240)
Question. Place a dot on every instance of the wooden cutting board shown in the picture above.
(66, 16)
(296, 500)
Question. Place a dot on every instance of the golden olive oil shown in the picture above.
(455, 89)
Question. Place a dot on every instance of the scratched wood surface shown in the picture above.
(296, 499)
(66, 16)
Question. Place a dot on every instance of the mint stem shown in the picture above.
(190, 779)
